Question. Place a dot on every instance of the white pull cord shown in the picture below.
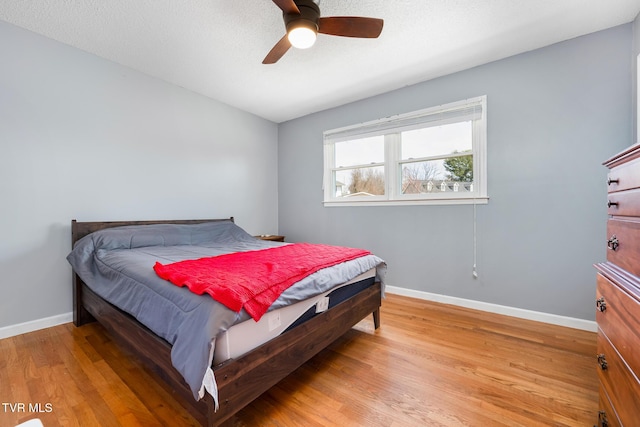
(475, 242)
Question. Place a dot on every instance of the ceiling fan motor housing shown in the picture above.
(308, 17)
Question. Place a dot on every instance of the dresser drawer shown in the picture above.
(621, 386)
(624, 203)
(607, 417)
(620, 321)
(624, 244)
(624, 177)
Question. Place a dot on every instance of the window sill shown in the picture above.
(453, 201)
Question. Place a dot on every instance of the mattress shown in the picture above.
(245, 336)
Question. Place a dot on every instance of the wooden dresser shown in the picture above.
(618, 296)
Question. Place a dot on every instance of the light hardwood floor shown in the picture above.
(429, 364)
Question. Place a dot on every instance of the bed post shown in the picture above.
(80, 314)
(376, 318)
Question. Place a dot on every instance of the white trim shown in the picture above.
(554, 319)
(452, 112)
(35, 325)
(452, 201)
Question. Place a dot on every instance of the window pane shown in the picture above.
(454, 174)
(437, 140)
(360, 182)
(360, 151)
(436, 155)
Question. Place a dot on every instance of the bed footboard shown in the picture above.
(242, 380)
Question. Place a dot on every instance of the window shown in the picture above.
(432, 156)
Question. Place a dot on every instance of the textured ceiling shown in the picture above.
(215, 47)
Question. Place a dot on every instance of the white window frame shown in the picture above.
(476, 108)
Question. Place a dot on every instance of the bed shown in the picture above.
(240, 371)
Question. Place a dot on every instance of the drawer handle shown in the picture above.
(601, 304)
(602, 419)
(602, 361)
(610, 204)
(612, 181)
(613, 243)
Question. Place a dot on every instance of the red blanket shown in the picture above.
(253, 280)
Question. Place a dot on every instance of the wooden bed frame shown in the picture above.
(240, 380)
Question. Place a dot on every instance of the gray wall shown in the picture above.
(634, 67)
(84, 138)
(554, 115)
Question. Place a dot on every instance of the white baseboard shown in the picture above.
(35, 325)
(554, 319)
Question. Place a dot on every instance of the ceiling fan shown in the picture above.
(303, 22)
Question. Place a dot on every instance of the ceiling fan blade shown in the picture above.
(351, 26)
(277, 51)
(287, 6)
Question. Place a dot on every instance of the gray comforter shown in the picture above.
(117, 264)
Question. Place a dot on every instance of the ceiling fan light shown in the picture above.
(302, 37)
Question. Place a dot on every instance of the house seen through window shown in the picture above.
(437, 155)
